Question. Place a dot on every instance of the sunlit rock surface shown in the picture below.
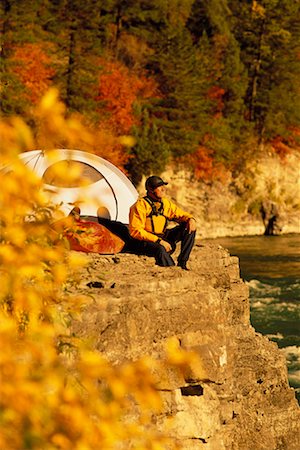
(240, 205)
(238, 396)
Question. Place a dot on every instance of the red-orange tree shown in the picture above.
(119, 91)
(121, 94)
(32, 65)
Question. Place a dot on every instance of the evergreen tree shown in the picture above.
(74, 27)
(211, 24)
(269, 37)
(151, 152)
(209, 16)
(182, 110)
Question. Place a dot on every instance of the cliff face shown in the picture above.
(234, 206)
(238, 397)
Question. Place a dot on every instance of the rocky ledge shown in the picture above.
(238, 398)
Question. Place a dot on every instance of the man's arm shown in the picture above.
(165, 244)
(177, 214)
(191, 225)
(137, 222)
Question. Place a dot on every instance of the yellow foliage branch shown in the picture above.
(55, 391)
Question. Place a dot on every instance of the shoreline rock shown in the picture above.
(238, 397)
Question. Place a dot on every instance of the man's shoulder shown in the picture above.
(141, 199)
(140, 202)
(167, 202)
(145, 201)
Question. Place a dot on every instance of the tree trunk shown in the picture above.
(255, 77)
(70, 69)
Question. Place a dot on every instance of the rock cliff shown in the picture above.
(237, 204)
(238, 397)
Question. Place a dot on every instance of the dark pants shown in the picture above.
(173, 236)
(162, 257)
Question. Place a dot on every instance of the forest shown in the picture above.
(208, 83)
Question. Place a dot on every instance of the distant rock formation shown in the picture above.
(271, 218)
(238, 398)
(232, 206)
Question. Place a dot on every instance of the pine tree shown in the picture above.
(151, 151)
(211, 24)
(143, 25)
(74, 27)
(181, 112)
(269, 37)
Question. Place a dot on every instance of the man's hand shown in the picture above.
(166, 245)
(191, 225)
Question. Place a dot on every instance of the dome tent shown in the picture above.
(106, 193)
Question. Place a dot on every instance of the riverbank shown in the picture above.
(270, 267)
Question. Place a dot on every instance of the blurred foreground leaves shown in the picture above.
(56, 392)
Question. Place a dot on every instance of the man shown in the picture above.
(148, 221)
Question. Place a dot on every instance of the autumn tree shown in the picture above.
(117, 91)
(21, 23)
(121, 97)
(32, 66)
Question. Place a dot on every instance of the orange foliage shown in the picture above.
(279, 147)
(202, 162)
(111, 147)
(204, 166)
(119, 89)
(216, 94)
(32, 67)
(284, 146)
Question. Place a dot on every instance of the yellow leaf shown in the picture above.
(128, 141)
(49, 100)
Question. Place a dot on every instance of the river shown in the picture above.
(270, 265)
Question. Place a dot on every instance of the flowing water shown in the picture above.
(270, 265)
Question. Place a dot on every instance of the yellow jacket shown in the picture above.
(141, 223)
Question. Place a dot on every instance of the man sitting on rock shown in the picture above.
(148, 220)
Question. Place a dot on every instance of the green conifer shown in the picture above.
(269, 37)
(181, 112)
(74, 27)
(151, 152)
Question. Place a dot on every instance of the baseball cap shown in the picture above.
(153, 182)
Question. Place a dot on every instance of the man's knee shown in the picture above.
(163, 258)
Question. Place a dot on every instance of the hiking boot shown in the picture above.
(183, 265)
